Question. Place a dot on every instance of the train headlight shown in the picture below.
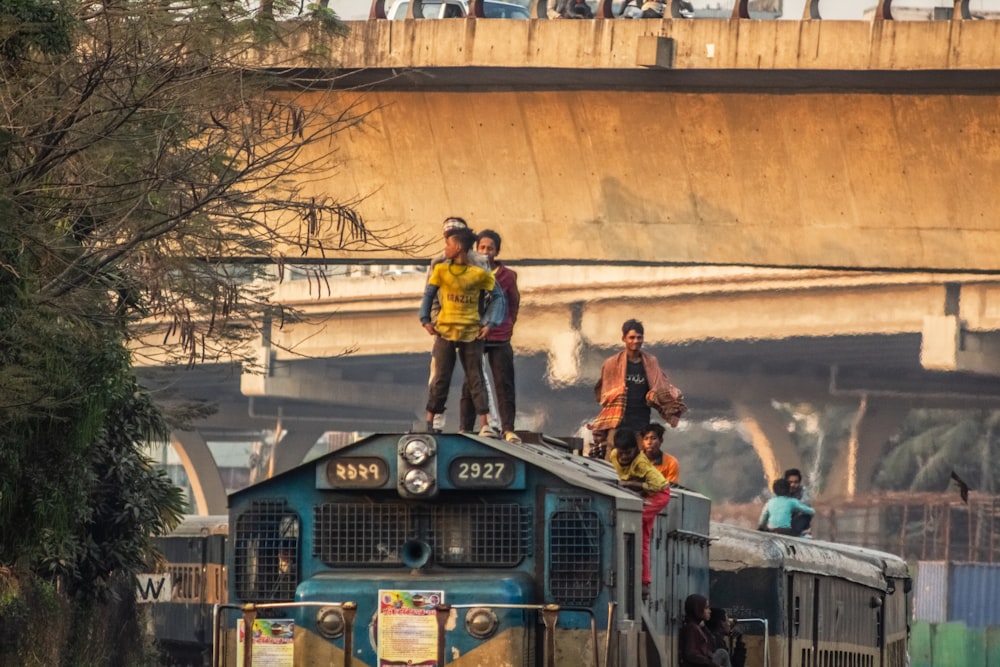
(417, 482)
(416, 452)
(330, 622)
(481, 622)
(416, 462)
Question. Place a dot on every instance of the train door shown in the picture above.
(802, 622)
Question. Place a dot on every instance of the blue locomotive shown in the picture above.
(420, 549)
(434, 549)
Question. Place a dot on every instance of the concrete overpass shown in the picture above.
(628, 146)
(735, 339)
(806, 143)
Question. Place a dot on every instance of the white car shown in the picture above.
(447, 9)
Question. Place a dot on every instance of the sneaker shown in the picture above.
(512, 438)
(488, 431)
(439, 421)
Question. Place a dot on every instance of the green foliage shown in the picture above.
(45, 628)
(138, 149)
(933, 443)
(29, 26)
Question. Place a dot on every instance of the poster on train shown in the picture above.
(272, 642)
(407, 628)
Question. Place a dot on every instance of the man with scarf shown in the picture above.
(632, 383)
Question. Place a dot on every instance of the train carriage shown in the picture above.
(526, 555)
(194, 556)
(819, 604)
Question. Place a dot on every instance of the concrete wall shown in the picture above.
(767, 177)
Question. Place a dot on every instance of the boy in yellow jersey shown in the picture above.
(457, 283)
(635, 472)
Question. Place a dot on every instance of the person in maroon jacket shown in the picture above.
(498, 352)
(694, 647)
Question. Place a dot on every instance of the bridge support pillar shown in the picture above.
(769, 437)
(947, 346)
(207, 490)
(875, 422)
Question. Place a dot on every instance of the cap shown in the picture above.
(455, 223)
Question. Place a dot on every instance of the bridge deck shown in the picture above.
(773, 143)
(809, 49)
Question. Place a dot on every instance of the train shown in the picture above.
(448, 548)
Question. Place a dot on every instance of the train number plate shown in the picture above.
(468, 472)
(358, 472)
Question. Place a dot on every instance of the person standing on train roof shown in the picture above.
(458, 329)
(631, 383)
(694, 647)
(495, 302)
(498, 350)
(635, 472)
(651, 438)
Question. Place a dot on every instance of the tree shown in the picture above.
(140, 152)
(933, 443)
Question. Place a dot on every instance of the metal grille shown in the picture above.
(186, 581)
(361, 533)
(473, 535)
(574, 556)
(267, 552)
(481, 535)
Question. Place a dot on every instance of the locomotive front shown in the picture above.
(416, 549)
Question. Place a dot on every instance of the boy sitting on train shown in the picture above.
(777, 514)
(635, 472)
(652, 442)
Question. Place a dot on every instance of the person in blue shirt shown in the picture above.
(777, 514)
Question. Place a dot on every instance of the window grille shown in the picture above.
(361, 533)
(489, 535)
(186, 581)
(464, 535)
(574, 556)
(267, 552)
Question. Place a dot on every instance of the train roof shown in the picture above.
(194, 525)
(735, 548)
(578, 471)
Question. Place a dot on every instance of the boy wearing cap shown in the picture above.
(494, 303)
(457, 284)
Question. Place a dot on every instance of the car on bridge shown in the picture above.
(436, 9)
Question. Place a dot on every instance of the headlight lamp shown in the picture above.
(417, 482)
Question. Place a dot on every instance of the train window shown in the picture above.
(496, 535)
(574, 556)
(266, 552)
(361, 533)
(187, 582)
